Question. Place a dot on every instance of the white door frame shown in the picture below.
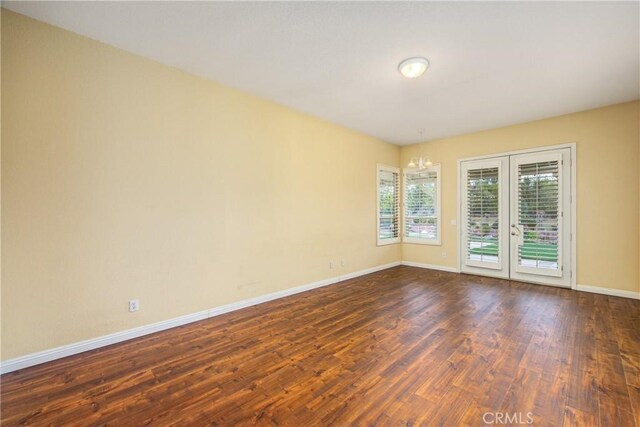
(572, 201)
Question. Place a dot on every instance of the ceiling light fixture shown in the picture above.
(413, 67)
(420, 162)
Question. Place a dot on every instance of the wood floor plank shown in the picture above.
(404, 346)
(577, 418)
(614, 398)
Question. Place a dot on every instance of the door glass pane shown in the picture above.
(483, 221)
(538, 214)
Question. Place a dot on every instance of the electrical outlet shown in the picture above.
(454, 222)
(444, 254)
(134, 305)
(341, 262)
(331, 264)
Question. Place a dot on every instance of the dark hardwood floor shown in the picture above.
(404, 346)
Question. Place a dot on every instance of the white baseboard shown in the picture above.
(93, 343)
(431, 266)
(608, 291)
(583, 288)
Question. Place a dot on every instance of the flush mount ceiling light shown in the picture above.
(413, 67)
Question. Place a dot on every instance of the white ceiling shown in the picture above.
(492, 64)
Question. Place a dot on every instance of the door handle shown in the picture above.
(516, 231)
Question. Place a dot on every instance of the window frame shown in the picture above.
(394, 240)
(414, 240)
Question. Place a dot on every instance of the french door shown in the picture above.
(516, 217)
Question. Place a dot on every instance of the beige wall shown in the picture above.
(608, 194)
(123, 178)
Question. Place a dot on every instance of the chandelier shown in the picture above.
(420, 162)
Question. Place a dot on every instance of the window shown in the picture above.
(421, 213)
(388, 205)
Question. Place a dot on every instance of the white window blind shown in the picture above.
(539, 214)
(421, 213)
(388, 205)
(483, 215)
